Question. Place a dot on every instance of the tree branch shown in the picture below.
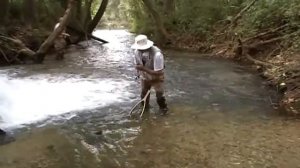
(89, 35)
(49, 41)
(92, 25)
(20, 46)
(233, 22)
(265, 33)
(244, 52)
(240, 14)
(271, 40)
(258, 62)
(157, 19)
(4, 56)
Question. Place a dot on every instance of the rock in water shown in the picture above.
(5, 138)
(99, 132)
(2, 132)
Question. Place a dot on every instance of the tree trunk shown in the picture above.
(4, 7)
(158, 21)
(29, 11)
(87, 17)
(98, 16)
(79, 10)
(115, 5)
(169, 7)
(49, 41)
(75, 20)
(83, 33)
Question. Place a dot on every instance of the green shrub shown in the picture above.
(200, 17)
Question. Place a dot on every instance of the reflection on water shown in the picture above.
(76, 113)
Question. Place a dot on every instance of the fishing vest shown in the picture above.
(147, 59)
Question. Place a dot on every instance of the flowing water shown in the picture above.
(74, 113)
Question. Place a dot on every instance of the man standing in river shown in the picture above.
(149, 63)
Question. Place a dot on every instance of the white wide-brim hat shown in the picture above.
(142, 43)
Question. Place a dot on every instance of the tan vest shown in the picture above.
(148, 61)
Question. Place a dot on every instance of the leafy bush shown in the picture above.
(189, 16)
(140, 20)
(200, 17)
(271, 13)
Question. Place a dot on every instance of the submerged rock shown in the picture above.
(5, 138)
(99, 132)
(2, 132)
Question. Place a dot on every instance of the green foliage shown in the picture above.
(189, 16)
(116, 14)
(202, 17)
(47, 12)
(140, 19)
(271, 13)
(196, 17)
(15, 9)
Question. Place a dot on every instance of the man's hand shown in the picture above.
(149, 71)
(140, 67)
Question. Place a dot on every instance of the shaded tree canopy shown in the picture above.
(26, 24)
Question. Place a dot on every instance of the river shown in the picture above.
(74, 113)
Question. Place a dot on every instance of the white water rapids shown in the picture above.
(23, 101)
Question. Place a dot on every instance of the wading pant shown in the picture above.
(159, 90)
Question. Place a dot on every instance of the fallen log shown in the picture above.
(17, 42)
(258, 62)
(41, 53)
(4, 56)
(38, 56)
(97, 38)
(265, 33)
(83, 34)
(20, 46)
(265, 42)
(244, 52)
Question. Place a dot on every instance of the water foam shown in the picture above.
(24, 101)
